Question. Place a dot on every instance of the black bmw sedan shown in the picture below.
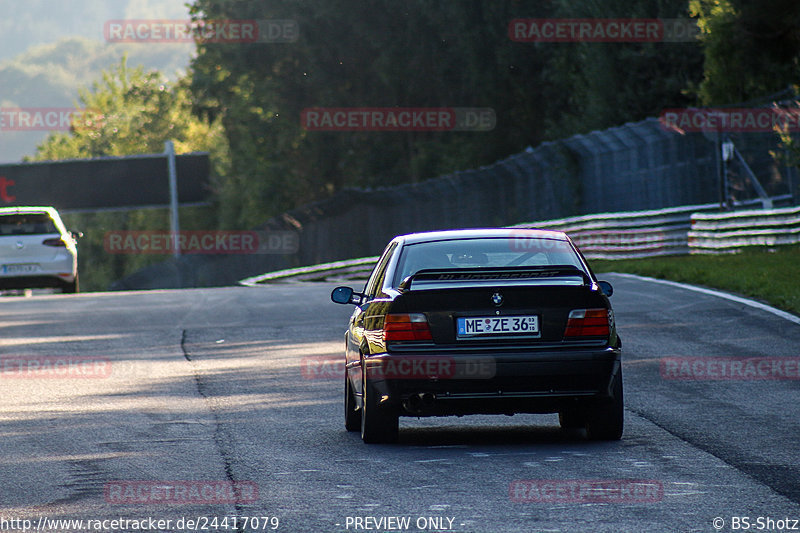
(482, 321)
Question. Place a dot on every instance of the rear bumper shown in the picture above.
(488, 382)
(35, 282)
(52, 273)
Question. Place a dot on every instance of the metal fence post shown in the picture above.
(174, 226)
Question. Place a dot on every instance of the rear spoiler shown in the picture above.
(518, 275)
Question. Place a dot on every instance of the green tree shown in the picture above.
(128, 112)
(596, 85)
(752, 56)
(421, 53)
(752, 48)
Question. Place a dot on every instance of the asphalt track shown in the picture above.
(230, 385)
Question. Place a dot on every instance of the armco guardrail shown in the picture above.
(729, 232)
(630, 234)
(342, 269)
(671, 231)
(657, 232)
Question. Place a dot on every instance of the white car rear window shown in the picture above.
(27, 224)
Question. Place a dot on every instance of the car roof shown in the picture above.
(27, 210)
(447, 235)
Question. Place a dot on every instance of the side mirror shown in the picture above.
(346, 295)
(606, 287)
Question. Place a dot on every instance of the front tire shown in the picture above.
(378, 424)
(571, 419)
(607, 419)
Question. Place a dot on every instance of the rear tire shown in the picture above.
(71, 288)
(378, 424)
(607, 419)
(352, 416)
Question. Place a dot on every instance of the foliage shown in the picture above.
(752, 48)
(752, 52)
(132, 112)
(421, 53)
(50, 75)
(600, 85)
(243, 101)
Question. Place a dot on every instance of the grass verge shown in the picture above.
(771, 275)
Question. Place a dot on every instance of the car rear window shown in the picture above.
(484, 253)
(27, 224)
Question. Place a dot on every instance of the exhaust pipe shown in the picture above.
(414, 402)
(417, 402)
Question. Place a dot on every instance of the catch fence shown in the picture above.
(636, 167)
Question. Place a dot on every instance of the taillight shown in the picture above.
(406, 327)
(587, 323)
(59, 242)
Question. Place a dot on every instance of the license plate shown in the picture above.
(498, 325)
(27, 268)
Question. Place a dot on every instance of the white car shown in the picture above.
(36, 250)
